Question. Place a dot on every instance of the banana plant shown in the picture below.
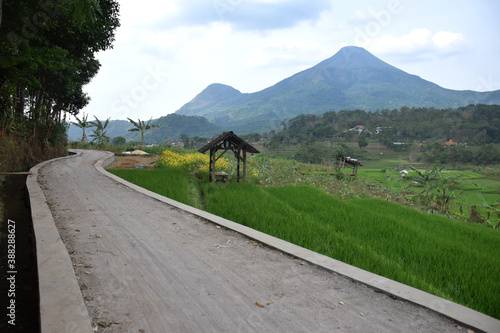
(99, 133)
(83, 124)
(141, 126)
(434, 179)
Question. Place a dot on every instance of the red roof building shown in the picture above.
(450, 143)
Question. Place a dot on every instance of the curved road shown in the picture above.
(145, 266)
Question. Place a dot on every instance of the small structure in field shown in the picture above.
(225, 142)
(350, 162)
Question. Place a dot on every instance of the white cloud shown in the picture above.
(448, 42)
(256, 15)
(419, 42)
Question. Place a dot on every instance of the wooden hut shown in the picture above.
(228, 141)
(352, 162)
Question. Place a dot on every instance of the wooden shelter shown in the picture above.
(352, 162)
(225, 142)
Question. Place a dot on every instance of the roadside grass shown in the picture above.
(170, 182)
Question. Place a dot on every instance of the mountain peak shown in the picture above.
(210, 96)
(218, 90)
(351, 57)
(351, 79)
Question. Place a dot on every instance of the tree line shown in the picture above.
(474, 128)
(47, 55)
(473, 124)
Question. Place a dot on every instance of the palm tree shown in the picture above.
(99, 133)
(141, 126)
(83, 124)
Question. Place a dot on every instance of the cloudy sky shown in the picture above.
(167, 52)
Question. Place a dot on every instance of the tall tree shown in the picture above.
(141, 126)
(47, 55)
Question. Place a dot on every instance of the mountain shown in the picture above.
(170, 127)
(352, 79)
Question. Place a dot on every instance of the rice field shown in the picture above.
(450, 259)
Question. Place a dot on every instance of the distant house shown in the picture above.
(360, 129)
(450, 143)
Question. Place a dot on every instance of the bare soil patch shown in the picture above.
(377, 147)
(131, 161)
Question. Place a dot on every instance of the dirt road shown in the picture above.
(145, 266)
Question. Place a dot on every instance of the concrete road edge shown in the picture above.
(62, 308)
(458, 313)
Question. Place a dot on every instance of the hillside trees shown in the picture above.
(47, 55)
(473, 124)
(422, 130)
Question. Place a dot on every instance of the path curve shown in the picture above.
(143, 264)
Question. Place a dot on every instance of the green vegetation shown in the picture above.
(99, 133)
(172, 126)
(83, 124)
(47, 55)
(471, 126)
(170, 182)
(449, 259)
(446, 257)
(167, 128)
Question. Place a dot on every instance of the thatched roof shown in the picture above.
(228, 140)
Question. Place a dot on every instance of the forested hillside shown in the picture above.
(473, 124)
(474, 132)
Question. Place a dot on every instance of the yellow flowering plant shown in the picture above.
(194, 162)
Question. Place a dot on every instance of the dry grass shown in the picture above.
(17, 154)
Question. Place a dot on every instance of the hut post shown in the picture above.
(244, 165)
(211, 171)
(238, 157)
